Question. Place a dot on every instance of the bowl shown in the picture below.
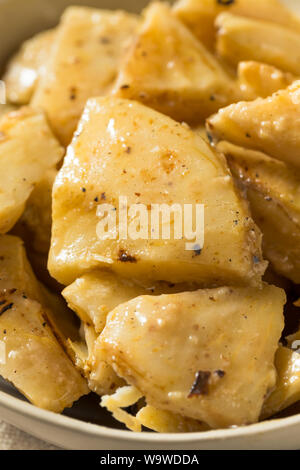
(86, 426)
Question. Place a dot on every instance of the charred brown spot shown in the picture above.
(200, 385)
(7, 307)
(126, 258)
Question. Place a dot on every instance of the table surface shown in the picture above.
(12, 438)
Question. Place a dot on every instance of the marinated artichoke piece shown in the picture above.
(123, 149)
(84, 62)
(211, 351)
(17, 275)
(28, 150)
(117, 403)
(148, 416)
(102, 379)
(199, 15)
(95, 294)
(16, 272)
(100, 376)
(270, 125)
(273, 190)
(170, 71)
(287, 390)
(241, 38)
(257, 80)
(32, 332)
(34, 226)
(281, 239)
(27, 66)
(34, 360)
(167, 422)
(92, 297)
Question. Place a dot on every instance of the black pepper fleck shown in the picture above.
(220, 373)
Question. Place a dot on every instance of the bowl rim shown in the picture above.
(89, 429)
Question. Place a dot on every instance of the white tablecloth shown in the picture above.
(12, 438)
